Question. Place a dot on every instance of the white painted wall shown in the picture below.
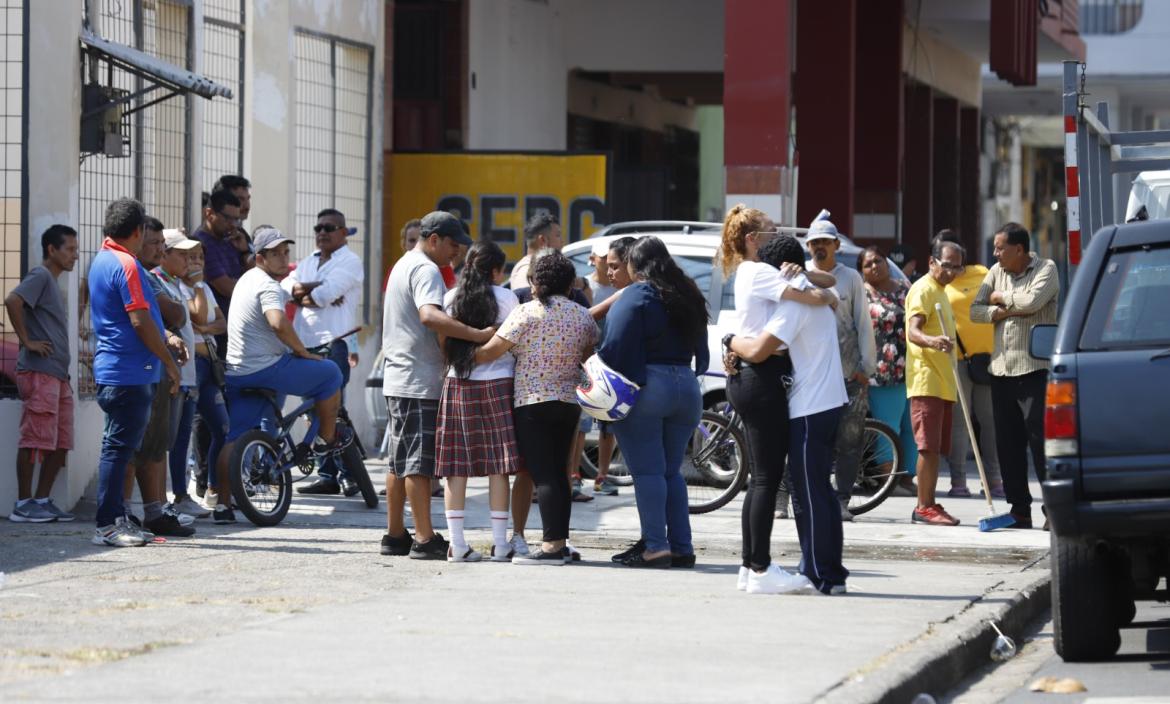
(521, 53)
(54, 174)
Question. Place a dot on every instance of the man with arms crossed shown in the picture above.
(412, 320)
(1020, 291)
(326, 287)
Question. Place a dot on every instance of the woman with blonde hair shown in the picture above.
(758, 391)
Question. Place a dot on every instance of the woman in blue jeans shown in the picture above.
(652, 334)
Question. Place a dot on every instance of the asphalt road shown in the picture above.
(1139, 674)
(310, 611)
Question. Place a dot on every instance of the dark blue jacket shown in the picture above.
(638, 332)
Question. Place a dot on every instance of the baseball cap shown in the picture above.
(600, 248)
(174, 239)
(267, 237)
(821, 230)
(444, 224)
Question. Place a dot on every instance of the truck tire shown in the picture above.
(1081, 581)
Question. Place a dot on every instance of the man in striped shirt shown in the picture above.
(1020, 291)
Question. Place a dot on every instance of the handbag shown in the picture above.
(978, 365)
(218, 370)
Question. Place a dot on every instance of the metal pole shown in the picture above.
(1107, 217)
(1071, 172)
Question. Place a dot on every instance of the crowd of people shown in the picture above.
(481, 380)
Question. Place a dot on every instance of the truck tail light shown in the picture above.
(1060, 419)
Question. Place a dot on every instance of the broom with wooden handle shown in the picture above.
(993, 520)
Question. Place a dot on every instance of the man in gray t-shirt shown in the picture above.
(412, 319)
(264, 352)
(37, 315)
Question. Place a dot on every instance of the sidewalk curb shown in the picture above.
(947, 652)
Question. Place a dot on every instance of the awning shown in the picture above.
(159, 72)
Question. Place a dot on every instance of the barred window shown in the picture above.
(333, 112)
(12, 132)
(155, 171)
(223, 62)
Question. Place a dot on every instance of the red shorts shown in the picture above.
(930, 417)
(46, 417)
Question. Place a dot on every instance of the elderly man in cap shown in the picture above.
(412, 379)
(265, 352)
(858, 353)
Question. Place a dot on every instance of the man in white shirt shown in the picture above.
(815, 402)
(326, 287)
(543, 231)
(858, 353)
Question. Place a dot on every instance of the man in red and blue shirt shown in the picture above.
(130, 358)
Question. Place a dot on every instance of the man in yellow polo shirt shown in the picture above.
(930, 381)
(975, 343)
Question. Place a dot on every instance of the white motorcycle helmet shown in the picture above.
(607, 395)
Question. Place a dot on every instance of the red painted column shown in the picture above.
(877, 131)
(946, 165)
(757, 87)
(825, 108)
(917, 201)
(970, 132)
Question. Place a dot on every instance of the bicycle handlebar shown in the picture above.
(326, 345)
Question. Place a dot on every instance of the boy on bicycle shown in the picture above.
(264, 352)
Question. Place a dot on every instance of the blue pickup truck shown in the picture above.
(1107, 437)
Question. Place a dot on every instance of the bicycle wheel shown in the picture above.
(261, 486)
(716, 464)
(355, 467)
(880, 459)
(619, 473)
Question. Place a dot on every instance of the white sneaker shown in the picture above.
(190, 507)
(118, 535)
(519, 544)
(210, 499)
(836, 590)
(775, 580)
(503, 553)
(467, 555)
(742, 581)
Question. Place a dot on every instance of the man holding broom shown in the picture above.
(930, 382)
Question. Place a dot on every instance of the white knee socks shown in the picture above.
(500, 531)
(455, 525)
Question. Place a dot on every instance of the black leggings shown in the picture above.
(544, 433)
(761, 400)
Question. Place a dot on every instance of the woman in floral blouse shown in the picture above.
(887, 387)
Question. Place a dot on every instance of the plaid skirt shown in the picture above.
(475, 435)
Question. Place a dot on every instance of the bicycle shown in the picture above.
(260, 467)
(719, 465)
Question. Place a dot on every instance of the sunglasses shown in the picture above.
(326, 228)
(948, 266)
(229, 218)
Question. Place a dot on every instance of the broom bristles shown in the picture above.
(1003, 520)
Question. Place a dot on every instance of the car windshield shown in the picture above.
(1131, 307)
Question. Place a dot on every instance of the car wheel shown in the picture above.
(1082, 582)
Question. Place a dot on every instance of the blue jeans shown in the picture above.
(212, 411)
(178, 458)
(654, 438)
(890, 405)
(127, 409)
(339, 355)
(307, 378)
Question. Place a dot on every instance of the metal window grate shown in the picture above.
(156, 170)
(223, 62)
(11, 176)
(333, 113)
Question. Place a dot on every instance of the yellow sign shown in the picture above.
(494, 193)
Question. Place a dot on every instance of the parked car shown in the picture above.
(1107, 490)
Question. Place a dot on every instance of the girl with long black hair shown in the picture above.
(474, 435)
(653, 333)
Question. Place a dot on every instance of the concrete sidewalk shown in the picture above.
(310, 610)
